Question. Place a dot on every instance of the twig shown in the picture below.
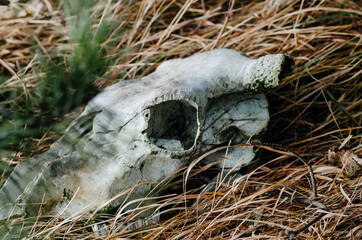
(305, 201)
(285, 149)
(303, 228)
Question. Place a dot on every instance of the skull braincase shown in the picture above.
(143, 130)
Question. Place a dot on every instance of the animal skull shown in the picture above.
(143, 130)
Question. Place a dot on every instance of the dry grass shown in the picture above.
(317, 111)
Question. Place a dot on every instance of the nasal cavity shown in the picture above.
(287, 67)
(172, 125)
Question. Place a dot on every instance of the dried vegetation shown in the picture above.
(317, 112)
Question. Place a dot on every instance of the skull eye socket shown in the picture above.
(172, 125)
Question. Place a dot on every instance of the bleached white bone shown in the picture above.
(142, 130)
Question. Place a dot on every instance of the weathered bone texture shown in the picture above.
(142, 130)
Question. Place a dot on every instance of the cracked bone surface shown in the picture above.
(142, 130)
